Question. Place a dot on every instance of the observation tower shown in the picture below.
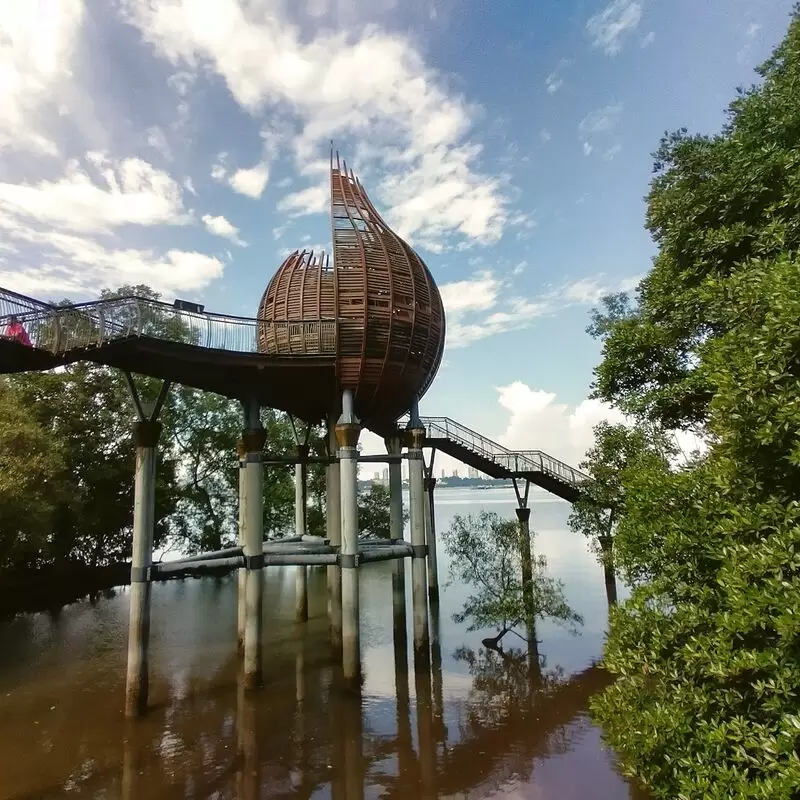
(387, 325)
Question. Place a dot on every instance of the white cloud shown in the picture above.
(597, 128)
(127, 192)
(476, 294)
(545, 136)
(250, 182)
(313, 200)
(647, 40)
(220, 226)
(553, 83)
(485, 306)
(373, 87)
(78, 265)
(189, 186)
(611, 26)
(37, 43)
(158, 141)
(537, 421)
(612, 152)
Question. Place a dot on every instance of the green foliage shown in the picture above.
(373, 511)
(706, 654)
(619, 453)
(715, 203)
(66, 488)
(484, 553)
(29, 463)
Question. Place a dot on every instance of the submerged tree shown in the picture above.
(484, 554)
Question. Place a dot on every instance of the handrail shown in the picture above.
(58, 329)
(519, 462)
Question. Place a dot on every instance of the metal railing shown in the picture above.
(59, 329)
(520, 463)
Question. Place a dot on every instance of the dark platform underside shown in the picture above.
(304, 386)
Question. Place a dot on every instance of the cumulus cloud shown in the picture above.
(537, 421)
(127, 192)
(69, 264)
(609, 28)
(220, 226)
(312, 200)
(250, 182)
(37, 45)
(373, 88)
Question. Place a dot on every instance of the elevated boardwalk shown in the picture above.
(219, 353)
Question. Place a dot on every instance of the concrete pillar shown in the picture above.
(248, 774)
(146, 435)
(609, 572)
(347, 433)
(334, 533)
(300, 516)
(526, 561)
(394, 447)
(416, 503)
(254, 438)
(242, 573)
(429, 484)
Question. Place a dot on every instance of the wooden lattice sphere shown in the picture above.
(376, 309)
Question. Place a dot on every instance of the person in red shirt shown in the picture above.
(16, 332)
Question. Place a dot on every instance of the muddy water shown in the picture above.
(475, 724)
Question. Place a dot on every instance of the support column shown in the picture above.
(334, 533)
(300, 517)
(416, 491)
(146, 434)
(609, 572)
(429, 484)
(347, 433)
(254, 438)
(394, 447)
(242, 573)
(526, 559)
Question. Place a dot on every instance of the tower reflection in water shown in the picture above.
(309, 733)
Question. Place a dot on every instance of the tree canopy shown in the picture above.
(706, 654)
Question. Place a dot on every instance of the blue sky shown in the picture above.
(183, 144)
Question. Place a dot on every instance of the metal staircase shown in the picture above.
(491, 458)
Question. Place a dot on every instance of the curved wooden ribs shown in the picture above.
(389, 314)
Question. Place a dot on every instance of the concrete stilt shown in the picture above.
(242, 573)
(429, 484)
(526, 559)
(146, 433)
(254, 438)
(248, 775)
(353, 748)
(347, 433)
(300, 515)
(394, 448)
(334, 533)
(609, 572)
(416, 502)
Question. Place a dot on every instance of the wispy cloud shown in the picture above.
(485, 305)
(555, 80)
(609, 28)
(598, 127)
(373, 90)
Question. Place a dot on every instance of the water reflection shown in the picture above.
(468, 721)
